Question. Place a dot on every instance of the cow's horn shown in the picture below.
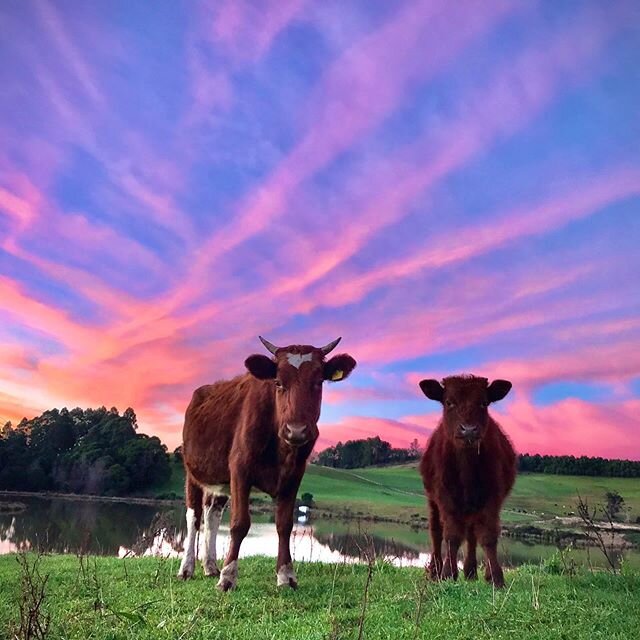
(270, 347)
(330, 347)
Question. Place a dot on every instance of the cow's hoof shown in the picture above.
(449, 570)
(434, 570)
(225, 585)
(186, 571)
(497, 581)
(471, 573)
(211, 570)
(228, 577)
(291, 583)
(286, 577)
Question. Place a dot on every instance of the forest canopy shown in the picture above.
(374, 451)
(95, 451)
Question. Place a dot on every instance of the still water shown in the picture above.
(120, 529)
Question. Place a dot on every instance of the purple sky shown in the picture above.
(449, 186)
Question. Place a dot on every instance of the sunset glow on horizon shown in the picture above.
(450, 187)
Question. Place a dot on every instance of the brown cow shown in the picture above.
(256, 430)
(468, 470)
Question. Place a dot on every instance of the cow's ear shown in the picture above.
(261, 367)
(498, 389)
(432, 389)
(339, 367)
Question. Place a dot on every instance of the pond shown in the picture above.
(119, 529)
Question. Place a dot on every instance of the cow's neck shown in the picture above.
(291, 466)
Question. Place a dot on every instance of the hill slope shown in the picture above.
(397, 492)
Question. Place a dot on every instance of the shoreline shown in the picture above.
(532, 532)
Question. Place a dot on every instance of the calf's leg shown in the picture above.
(453, 531)
(488, 536)
(240, 523)
(284, 524)
(435, 529)
(193, 499)
(470, 566)
(212, 513)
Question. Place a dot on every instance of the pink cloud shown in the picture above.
(514, 95)
(574, 427)
(14, 409)
(398, 432)
(570, 427)
(19, 199)
(609, 363)
(357, 92)
(246, 30)
(15, 303)
(75, 60)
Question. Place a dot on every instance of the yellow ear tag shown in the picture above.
(338, 375)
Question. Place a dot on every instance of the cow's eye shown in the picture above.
(279, 385)
(450, 404)
(484, 405)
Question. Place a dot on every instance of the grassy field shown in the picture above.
(140, 598)
(396, 492)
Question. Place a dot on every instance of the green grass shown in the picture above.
(141, 598)
(397, 492)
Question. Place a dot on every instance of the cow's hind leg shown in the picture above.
(435, 528)
(193, 498)
(470, 561)
(212, 514)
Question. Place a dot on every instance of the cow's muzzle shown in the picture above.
(297, 434)
(469, 432)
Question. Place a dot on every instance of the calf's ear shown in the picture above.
(498, 389)
(432, 389)
(261, 367)
(339, 367)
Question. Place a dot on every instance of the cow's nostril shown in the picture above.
(297, 431)
(468, 429)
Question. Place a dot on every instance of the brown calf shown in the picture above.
(468, 470)
(256, 430)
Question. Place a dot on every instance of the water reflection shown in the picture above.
(119, 529)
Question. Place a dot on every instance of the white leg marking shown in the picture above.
(287, 576)
(189, 558)
(211, 517)
(228, 576)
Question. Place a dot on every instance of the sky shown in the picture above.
(450, 187)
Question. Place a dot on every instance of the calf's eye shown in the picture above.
(450, 404)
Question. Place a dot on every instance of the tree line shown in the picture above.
(368, 452)
(578, 466)
(94, 451)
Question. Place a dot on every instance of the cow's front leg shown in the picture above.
(286, 576)
(240, 523)
(453, 534)
(488, 537)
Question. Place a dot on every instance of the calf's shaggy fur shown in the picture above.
(468, 469)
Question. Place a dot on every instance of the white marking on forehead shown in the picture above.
(296, 359)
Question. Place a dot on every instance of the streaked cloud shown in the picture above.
(447, 186)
